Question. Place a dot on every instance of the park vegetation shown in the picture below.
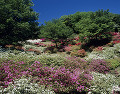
(75, 54)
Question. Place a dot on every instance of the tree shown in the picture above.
(55, 30)
(17, 21)
(95, 26)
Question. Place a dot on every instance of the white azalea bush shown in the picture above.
(34, 41)
(24, 86)
(27, 47)
(104, 83)
(107, 53)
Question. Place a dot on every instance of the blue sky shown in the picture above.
(53, 9)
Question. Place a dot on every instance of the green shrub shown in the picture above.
(29, 58)
(74, 48)
(113, 63)
(55, 60)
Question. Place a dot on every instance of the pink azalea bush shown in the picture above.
(99, 65)
(10, 70)
(61, 79)
(68, 49)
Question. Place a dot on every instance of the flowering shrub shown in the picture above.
(34, 41)
(41, 44)
(10, 70)
(54, 60)
(35, 51)
(43, 39)
(76, 62)
(107, 53)
(68, 49)
(29, 58)
(80, 53)
(114, 33)
(100, 48)
(24, 86)
(60, 79)
(116, 37)
(99, 66)
(27, 47)
(77, 38)
(74, 48)
(103, 83)
(78, 43)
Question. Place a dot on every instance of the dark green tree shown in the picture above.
(17, 21)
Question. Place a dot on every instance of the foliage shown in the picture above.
(28, 58)
(99, 48)
(113, 63)
(106, 53)
(75, 48)
(54, 60)
(68, 49)
(76, 62)
(61, 79)
(24, 86)
(103, 83)
(99, 66)
(18, 21)
(55, 30)
(80, 53)
(96, 28)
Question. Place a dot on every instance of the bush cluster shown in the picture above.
(24, 86)
(103, 83)
(106, 53)
(61, 79)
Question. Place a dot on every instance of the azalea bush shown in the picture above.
(103, 83)
(99, 66)
(78, 53)
(10, 70)
(99, 48)
(61, 79)
(76, 62)
(68, 49)
(23, 85)
(106, 53)
(75, 48)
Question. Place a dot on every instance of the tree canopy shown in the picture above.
(88, 25)
(17, 21)
(55, 30)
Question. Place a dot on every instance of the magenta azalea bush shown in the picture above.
(99, 65)
(61, 79)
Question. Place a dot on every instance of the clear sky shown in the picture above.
(52, 9)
